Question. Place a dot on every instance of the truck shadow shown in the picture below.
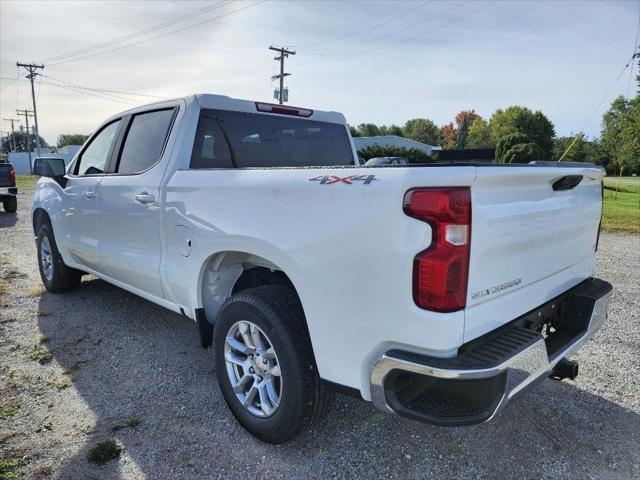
(132, 360)
(7, 219)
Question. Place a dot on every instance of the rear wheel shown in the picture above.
(56, 276)
(10, 205)
(265, 365)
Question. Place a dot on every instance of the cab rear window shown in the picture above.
(235, 139)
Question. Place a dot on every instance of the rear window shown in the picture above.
(255, 140)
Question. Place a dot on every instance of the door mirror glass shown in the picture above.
(49, 167)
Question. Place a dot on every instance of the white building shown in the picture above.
(393, 141)
(20, 160)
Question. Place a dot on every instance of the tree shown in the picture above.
(479, 135)
(535, 125)
(391, 130)
(353, 130)
(413, 154)
(448, 136)
(422, 130)
(629, 152)
(21, 142)
(368, 130)
(65, 139)
(617, 138)
(517, 148)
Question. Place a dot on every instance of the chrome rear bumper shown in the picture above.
(474, 386)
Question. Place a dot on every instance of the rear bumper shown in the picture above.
(491, 370)
(8, 191)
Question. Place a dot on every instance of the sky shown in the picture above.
(377, 61)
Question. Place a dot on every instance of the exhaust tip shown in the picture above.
(565, 369)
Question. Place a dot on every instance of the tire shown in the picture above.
(304, 399)
(10, 205)
(59, 278)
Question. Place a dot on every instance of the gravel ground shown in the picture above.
(115, 357)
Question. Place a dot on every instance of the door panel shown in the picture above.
(130, 204)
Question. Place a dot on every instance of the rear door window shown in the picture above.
(255, 140)
(145, 140)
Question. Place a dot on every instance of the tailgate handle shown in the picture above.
(567, 182)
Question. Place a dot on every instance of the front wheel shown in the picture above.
(56, 276)
(265, 364)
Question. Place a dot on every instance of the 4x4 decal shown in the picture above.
(329, 179)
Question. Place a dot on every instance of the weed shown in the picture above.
(13, 273)
(35, 291)
(40, 354)
(132, 422)
(62, 383)
(8, 407)
(104, 451)
(8, 468)
(48, 426)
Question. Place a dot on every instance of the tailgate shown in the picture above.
(4, 175)
(529, 242)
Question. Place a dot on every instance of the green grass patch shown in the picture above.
(40, 354)
(8, 468)
(26, 181)
(624, 184)
(621, 211)
(104, 452)
(8, 407)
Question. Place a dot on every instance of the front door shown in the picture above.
(129, 202)
(78, 236)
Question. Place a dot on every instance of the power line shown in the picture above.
(11, 81)
(71, 89)
(159, 36)
(364, 29)
(32, 68)
(395, 32)
(135, 34)
(117, 92)
(284, 53)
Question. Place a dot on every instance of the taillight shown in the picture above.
(12, 174)
(440, 272)
(283, 109)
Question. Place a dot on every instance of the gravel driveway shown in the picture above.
(100, 363)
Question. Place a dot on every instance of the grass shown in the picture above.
(40, 354)
(104, 452)
(26, 181)
(8, 468)
(132, 422)
(621, 212)
(8, 407)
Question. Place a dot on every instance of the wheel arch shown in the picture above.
(228, 272)
(39, 217)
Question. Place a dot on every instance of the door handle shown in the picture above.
(145, 198)
(88, 194)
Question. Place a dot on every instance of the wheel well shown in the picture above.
(40, 217)
(228, 273)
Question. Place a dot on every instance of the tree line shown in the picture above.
(519, 135)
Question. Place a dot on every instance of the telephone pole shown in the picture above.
(13, 132)
(284, 53)
(31, 68)
(27, 114)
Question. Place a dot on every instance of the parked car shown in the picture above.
(438, 295)
(381, 161)
(8, 189)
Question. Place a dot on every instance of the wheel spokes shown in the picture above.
(239, 345)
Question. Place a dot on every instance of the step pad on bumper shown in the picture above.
(473, 386)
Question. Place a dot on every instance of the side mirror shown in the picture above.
(51, 167)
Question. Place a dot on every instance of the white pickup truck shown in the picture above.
(438, 292)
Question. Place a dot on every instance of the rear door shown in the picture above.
(533, 236)
(129, 201)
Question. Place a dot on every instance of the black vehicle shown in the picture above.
(8, 189)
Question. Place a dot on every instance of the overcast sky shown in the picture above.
(383, 62)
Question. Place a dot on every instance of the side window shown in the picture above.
(144, 141)
(94, 158)
(210, 149)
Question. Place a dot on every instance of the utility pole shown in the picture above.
(284, 53)
(31, 68)
(13, 132)
(27, 114)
